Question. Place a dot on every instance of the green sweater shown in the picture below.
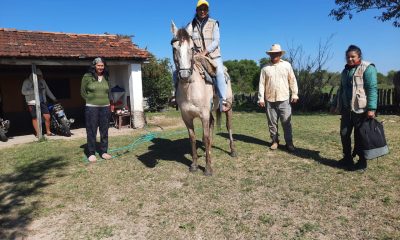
(95, 92)
(370, 86)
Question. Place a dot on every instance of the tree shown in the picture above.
(311, 74)
(390, 9)
(243, 73)
(157, 82)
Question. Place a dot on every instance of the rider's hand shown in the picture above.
(261, 104)
(204, 53)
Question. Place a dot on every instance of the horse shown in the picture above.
(196, 97)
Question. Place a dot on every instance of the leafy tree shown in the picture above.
(264, 61)
(390, 75)
(386, 81)
(157, 82)
(243, 73)
(390, 9)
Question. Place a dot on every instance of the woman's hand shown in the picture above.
(333, 110)
(370, 114)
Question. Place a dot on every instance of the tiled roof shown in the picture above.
(34, 44)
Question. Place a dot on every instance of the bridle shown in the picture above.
(184, 73)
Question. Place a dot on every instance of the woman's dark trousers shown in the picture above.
(349, 121)
(97, 118)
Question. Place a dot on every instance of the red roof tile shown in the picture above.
(33, 44)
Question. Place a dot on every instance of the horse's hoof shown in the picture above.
(208, 173)
(193, 168)
(233, 154)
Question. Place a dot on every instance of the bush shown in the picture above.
(157, 83)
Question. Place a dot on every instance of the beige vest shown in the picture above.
(207, 36)
(359, 98)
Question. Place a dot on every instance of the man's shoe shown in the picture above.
(361, 165)
(290, 147)
(346, 163)
(274, 146)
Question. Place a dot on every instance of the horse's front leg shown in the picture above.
(207, 139)
(192, 139)
(229, 115)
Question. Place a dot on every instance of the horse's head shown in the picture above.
(183, 51)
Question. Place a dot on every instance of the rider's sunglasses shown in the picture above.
(202, 9)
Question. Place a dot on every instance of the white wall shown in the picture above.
(119, 75)
(129, 77)
(136, 93)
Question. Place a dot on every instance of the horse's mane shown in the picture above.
(182, 35)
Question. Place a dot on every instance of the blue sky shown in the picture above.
(248, 28)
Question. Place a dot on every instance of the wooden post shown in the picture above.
(37, 102)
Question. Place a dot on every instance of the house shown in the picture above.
(63, 59)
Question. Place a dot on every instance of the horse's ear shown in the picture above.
(174, 29)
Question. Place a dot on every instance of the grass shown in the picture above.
(47, 191)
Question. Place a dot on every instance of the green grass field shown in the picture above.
(48, 191)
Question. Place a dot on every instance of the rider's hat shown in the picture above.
(201, 2)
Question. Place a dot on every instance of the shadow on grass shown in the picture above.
(26, 181)
(315, 155)
(168, 150)
(245, 138)
(300, 152)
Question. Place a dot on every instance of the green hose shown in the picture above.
(148, 137)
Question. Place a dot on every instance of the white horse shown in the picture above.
(194, 96)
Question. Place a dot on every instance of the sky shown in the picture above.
(247, 28)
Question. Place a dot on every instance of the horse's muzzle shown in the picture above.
(185, 73)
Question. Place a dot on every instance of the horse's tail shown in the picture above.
(218, 113)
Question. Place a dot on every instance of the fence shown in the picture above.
(386, 101)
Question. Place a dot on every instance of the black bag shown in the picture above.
(372, 141)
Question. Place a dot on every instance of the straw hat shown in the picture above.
(276, 48)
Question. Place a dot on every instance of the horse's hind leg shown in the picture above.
(212, 120)
(192, 139)
(207, 139)
(229, 115)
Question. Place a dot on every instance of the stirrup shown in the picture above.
(172, 102)
(226, 104)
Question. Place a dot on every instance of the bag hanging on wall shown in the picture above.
(372, 139)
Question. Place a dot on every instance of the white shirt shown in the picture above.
(275, 82)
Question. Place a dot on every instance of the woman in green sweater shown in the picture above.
(356, 100)
(95, 90)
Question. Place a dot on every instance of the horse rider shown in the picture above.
(204, 32)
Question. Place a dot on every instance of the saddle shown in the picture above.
(208, 68)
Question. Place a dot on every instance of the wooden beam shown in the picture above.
(37, 102)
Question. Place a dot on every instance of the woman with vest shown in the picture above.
(95, 90)
(205, 34)
(356, 100)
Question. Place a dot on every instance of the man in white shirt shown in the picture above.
(277, 83)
